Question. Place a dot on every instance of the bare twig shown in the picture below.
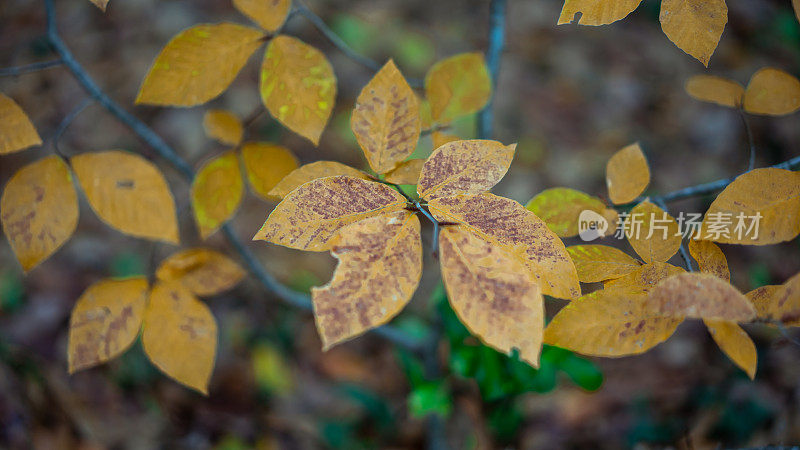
(497, 19)
(750, 141)
(682, 248)
(62, 127)
(19, 70)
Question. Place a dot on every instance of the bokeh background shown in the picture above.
(570, 96)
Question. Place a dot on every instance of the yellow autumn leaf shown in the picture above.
(100, 4)
(217, 191)
(652, 233)
(311, 215)
(201, 270)
(511, 228)
(223, 126)
(492, 293)
(779, 303)
(700, 296)
(796, 5)
(594, 12)
(772, 92)
(266, 165)
(627, 174)
(710, 258)
(601, 262)
(609, 323)
(309, 172)
(439, 138)
(407, 172)
(128, 193)
(759, 207)
(16, 130)
(464, 167)
(643, 279)
(560, 208)
(105, 321)
(39, 210)
(198, 64)
(180, 335)
(298, 86)
(735, 343)
(695, 26)
(269, 14)
(380, 265)
(714, 89)
(457, 86)
(386, 120)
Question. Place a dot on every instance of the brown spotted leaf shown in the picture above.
(492, 293)
(223, 126)
(772, 92)
(714, 89)
(105, 321)
(266, 165)
(457, 86)
(779, 303)
(380, 265)
(217, 191)
(735, 343)
(695, 26)
(309, 172)
(627, 174)
(202, 271)
(16, 130)
(269, 14)
(652, 232)
(594, 12)
(601, 262)
(510, 227)
(700, 296)
(643, 279)
(464, 167)
(311, 215)
(710, 258)
(407, 172)
(386, 120)
(561, 208)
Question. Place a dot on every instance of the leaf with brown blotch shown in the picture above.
(180, 335)
(386, 120)
(695, 26)
(407, 172)
(627, 174)
(269, 14)
(202, 271)
(380, 265)
(508, 226)
(217, 191)
(198, 64)
(779, 303)
(16, 130)
(312, 171)
(714, 89)
(609, 323)
(464, 167)
(266, 165)
(298, 86)
(594, 12)
(223, 126)
(311, 215)
(772, 92)
(560, 208)
(457, 86)
(105, 321)
(601, 262)
(759, 207)
(39, 210)
(735, 343)
(652, 232)
(710, 258)
(492, 293)
(644, 279)
(700, 296)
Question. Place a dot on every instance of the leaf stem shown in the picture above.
(34, 67)
(497, 23)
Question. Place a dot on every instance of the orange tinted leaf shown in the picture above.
(714, 89)
(311, 215)
(464, 167)
(510, 227)
(217, 191)
(561, 208)
(595, 12)
(644, 279)
(710, 258)
(778, 303)
(386, 119)
(198, 64)
(266, 164)
(105, 321)
(380, 265)
(308, 172)
(652, 233)
(601, 262)
(180, 335)
(298, 86)
(700, 296)
(39, 210)
(695, 26)
(223, 126)
(269, 14)
(457, 86)
(492, 293)
(16, 130)
(735, 343)
(773, 92)
(202, 271)
(407, 172)
(627, 174)
(128, 193)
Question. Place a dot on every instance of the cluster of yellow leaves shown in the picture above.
(179, 333)
(695, 26)
(770, 91)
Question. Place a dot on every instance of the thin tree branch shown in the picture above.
(497, 19)
(682, 248)
(750, 140)
(62, 127)
(19, 70)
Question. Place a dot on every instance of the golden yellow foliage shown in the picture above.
(735, 343)
(407, 172)
(778, 303)
(714, 89)
(100, 4)
(627, 174)
(16, 130)
(223, 126)
(457, 86)
(652, 233)
(700, 296)
(695, 26)
(796, 5)
(312, 171)
(773, 92)
(39, 210)
(710, 258)
(464, 167)
(643, 279)
(217, 191)
(202, 271)
(601, 262)
(439, 138)
(561, 208)
(269, 14)
(266, 165)
(595, 12)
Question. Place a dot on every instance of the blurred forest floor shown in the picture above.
(571, 96)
